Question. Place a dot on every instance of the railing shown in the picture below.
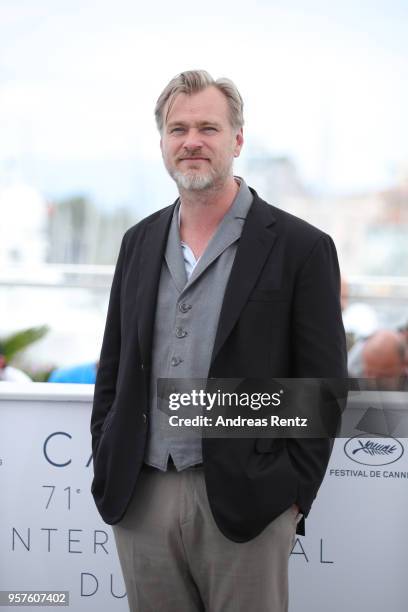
(58, 276)
(100, 277)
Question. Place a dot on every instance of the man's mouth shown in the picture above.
(193, 159)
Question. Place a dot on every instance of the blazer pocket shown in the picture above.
(269, 445)
(108, 420)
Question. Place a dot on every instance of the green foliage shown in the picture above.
(21, 340)
(40, 375)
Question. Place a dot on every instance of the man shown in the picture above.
(385, 355)
(382, 356)
(221, 285)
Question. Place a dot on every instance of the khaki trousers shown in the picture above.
(175, 559)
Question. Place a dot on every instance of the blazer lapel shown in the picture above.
(256, 242)
(151, 259)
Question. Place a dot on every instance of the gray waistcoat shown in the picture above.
(185, 325)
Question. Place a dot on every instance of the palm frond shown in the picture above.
(20, 340)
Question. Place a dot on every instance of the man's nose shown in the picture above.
(193, 140)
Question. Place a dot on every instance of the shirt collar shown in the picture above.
(240, 205)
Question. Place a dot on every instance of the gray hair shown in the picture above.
(194, 81)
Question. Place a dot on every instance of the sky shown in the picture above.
(323, 83)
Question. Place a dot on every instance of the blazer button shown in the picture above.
(144, 416)
(183, 307)
(180, 332)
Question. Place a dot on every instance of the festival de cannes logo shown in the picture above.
(373, 451)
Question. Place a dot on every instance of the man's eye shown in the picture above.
(209, 129)
(176, 130)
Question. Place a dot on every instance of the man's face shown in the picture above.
(198, 143)
(387, 362)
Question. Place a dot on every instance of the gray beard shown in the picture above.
(193, 182)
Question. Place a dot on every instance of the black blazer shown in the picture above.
(280, 317)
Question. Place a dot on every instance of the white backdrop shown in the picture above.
(353, 558)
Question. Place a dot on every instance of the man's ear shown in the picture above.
(239, 141)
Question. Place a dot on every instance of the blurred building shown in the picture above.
(370, 229)
(82, 233)
(275, 178)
